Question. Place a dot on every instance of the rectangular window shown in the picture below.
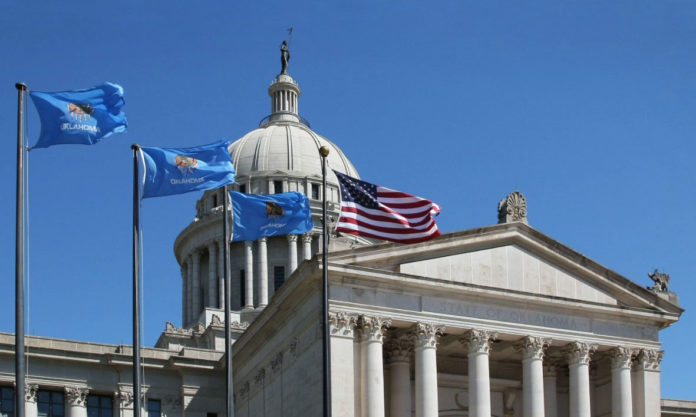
(99, 406)
(51, 403)
(7, 402)
(277, 187)
(315, 191)
(215, 203)
(242, 188)
(242, 287)
(278, 276)
(154, 408)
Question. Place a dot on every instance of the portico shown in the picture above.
(498, 321)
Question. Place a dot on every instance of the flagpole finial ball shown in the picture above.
(324, 151)
(21, 86)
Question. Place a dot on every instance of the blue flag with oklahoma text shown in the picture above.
(258, 216)
(171, 171)
(81, 117)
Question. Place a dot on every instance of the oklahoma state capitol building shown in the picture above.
(501, 320)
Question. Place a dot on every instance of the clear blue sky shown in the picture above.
(587, 107)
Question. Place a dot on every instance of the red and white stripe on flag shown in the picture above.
(398, 217)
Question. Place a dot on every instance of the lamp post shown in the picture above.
(324, 152)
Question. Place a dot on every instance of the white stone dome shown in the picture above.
(286, 147)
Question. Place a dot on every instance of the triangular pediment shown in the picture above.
(512, 258)
(510, 267)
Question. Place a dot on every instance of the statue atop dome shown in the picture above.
(284, 57)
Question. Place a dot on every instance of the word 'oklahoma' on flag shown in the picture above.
(171, 171)
(81, 117)
(381, 213)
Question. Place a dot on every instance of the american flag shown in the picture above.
(381, 213)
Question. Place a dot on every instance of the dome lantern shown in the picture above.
(284, 93)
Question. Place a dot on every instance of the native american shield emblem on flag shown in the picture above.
(186, 164)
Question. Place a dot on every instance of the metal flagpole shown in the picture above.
(324, 152)
(228, 306)
(20, 368)
(136, 284)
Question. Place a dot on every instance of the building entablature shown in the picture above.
(76, 352)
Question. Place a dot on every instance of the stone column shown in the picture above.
(646, 389)
(372, 331)
(263, 273)
(532, 350)
(550, 391)
(478, 344)
(196, 293)
(621, 402)
(249, 275)
(189, 290)
(77, 401)
(212, 275)
(425, 336)
(30, 396)
(292, 255)
(307, 246)
(398, 352)
(579, 378)
(184, 304)
(221, 273)
(341, 327)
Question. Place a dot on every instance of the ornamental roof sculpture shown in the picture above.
(513, 208)
(659, 287)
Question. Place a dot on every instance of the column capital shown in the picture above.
(578, 353)
(342, 324)
(372, 328)
(532, 347)
(621, 357)
(77, 396)
(244, 390)
(426, 334)
(124, 396)
(649, 359)
(277, 362)
(211, 245)
(30, 392)
(260, 376)
(307, 238)
(291, 238)
(399, 348)
(477, 340)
